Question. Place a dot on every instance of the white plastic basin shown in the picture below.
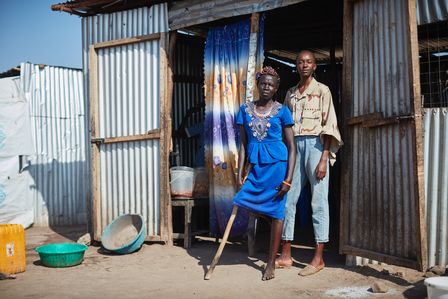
(437, 287)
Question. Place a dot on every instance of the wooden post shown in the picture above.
(166, 230)
(414, 69)
(169, 131)
(94, 125)
(252, 61)
(347, 99)
(171, 53)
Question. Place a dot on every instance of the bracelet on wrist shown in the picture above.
(286, 183)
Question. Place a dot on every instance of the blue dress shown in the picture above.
(268, 156)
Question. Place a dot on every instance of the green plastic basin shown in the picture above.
(61, 254)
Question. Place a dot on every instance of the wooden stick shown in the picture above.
(223, 243)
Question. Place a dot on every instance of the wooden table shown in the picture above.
(188, 203)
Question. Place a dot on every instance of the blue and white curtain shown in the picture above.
(225, 68)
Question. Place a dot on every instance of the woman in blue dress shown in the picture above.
(267, 146)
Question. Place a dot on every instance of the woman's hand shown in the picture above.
(321, 169)
(240, 181)
(282, 189)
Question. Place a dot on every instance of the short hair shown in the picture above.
(268, 70)
(306, 51)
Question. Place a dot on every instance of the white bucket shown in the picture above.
(182, 181)
(437, 287)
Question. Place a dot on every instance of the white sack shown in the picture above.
(15, 129)
(16, 204)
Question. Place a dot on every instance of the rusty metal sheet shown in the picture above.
(383, 195)
(430, 11)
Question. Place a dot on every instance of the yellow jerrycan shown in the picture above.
(12, 248)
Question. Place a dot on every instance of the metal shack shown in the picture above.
(45, 169)
(143, 72)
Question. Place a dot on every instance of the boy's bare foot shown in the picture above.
(283, 263)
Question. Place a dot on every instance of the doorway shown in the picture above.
(284, 36)
(319, 31)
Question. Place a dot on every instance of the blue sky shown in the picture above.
(31, 31)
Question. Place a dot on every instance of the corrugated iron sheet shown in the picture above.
(188, 13)
(130, 182)
(58, 122)
(436, 184)
(188, 96)
(383, 194)
(430, 11)
(129, 104)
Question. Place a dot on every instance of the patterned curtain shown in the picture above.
(225, 68)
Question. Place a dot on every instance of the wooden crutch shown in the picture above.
(223, 243)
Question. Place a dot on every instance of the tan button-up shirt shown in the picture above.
(314, 114)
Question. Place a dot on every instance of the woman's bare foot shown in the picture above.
(269, 271)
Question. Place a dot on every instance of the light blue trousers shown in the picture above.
(309, 152)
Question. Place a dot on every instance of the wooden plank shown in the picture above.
(372, 123)
(127, 41)
(417, 131)
(193, 233)
(169, 127)
(153, 239)
(388, 259)
(153, 134)
(347, 99)
(253, 45)
(365, 117)
(376, 120)
(194, 202)
(94, 125)
(165, 203)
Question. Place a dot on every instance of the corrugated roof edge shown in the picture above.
(16, 70)
(86, 8)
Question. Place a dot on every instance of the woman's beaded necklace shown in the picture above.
(260, 122)
(263, 114)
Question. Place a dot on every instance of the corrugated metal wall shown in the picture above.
(382, 189)
(58, 122)
(129, 104)
(188, 96)
(436, 184)
(430, 11)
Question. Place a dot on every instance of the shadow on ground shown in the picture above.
(236, 252)
(72, 233)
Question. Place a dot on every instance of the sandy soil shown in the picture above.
(169, 272)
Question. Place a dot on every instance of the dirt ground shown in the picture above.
(173, 272)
